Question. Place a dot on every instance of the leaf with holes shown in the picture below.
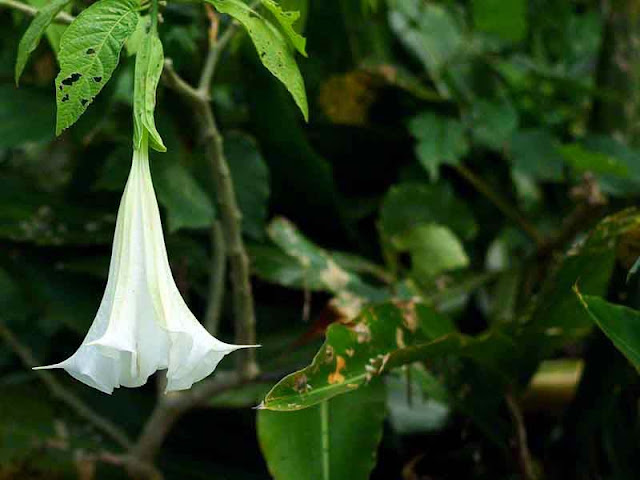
(272, 48)
(32, 36)
(89, 53)
(335, 440)
(286, 21)
(380, 338)
(149, 63)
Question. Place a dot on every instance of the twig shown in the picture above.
(62, 17)
(59, 391)
(511, 212)
(217, 276)
(215, 49)
(211, 62)
(527, 465)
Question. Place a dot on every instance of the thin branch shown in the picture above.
(525, 460)
(217, 276)
(62, 17)
(211, 62)
(511, 212)
(59, 391)
(215, 50)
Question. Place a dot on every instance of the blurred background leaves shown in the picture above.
(468, 157)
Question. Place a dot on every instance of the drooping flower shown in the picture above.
(143, 324)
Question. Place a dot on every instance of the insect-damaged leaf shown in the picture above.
(334, 440)
(381, 337)
(32, 36)
(89, 53)
(149, 63)
(286, 21)
(272, 46)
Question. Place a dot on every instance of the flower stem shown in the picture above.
(154, 17)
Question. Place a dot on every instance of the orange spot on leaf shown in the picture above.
(337, 377)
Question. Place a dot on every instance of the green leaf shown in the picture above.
(319, 270)
(440, 140)
(188, 206)
(556, 317)
(302, 8)
(616, 185)
(286, 21)
(149, 64)
(621, 324)
(507, 20)
(430, 33)
(135, 40)
(32, 36)
(536, 153)
(381, 337)
(89, 53)
(586, 160)
(335, 440)
(54, 31)
(493, 123)
(434, 249)
(409, 204)
(272, 46)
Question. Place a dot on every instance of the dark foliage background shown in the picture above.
(458, 154)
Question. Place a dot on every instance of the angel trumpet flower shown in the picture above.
(143, 324)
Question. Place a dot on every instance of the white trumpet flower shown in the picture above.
(143, 324)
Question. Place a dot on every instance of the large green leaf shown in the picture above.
(621, 324)
(89, 53)
(335, 440)
(407, 205)
(381, 337)
(272, 46)
(440, 140)
(32, 36)
(149, 63)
